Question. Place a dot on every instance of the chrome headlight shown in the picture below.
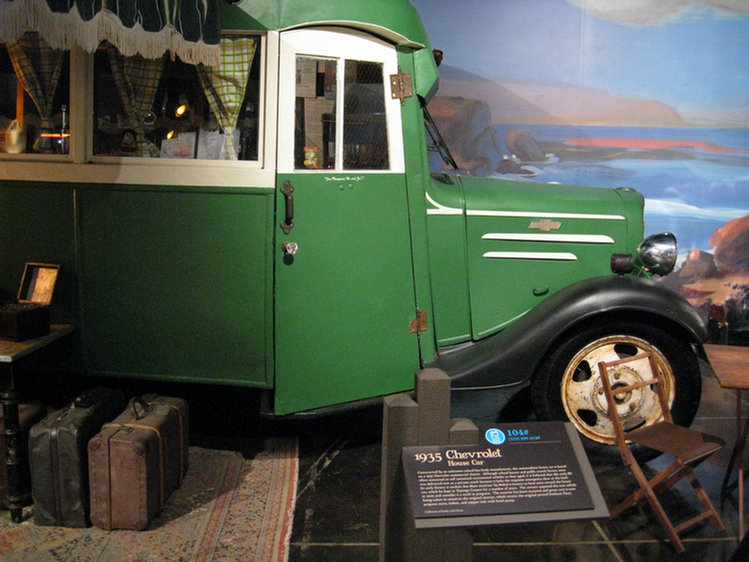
(658, 253)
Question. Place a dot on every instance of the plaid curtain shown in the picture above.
(38, 67)
(224, 85)
(137, 80)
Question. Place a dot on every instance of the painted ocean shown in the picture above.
(693, 180)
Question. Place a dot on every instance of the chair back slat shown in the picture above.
(661, 388)
(656, 384)
(613, 414)
(625, 389)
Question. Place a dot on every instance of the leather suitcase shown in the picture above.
(136, 461)
(28, 415)
(58, 457)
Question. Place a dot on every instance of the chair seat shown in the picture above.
(687, 444)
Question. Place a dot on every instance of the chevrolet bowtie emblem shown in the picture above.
(545, 225)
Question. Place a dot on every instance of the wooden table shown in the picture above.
(731, 367)
(10, 354)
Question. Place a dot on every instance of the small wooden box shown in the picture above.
(29, 317)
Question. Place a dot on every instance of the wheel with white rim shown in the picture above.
(568, 385)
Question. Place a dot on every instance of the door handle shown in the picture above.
(287, 190)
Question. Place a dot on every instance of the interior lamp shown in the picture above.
(183, 107)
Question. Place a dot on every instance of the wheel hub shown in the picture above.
(583, 397)
(629, 403)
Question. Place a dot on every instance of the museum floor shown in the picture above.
(337, 508)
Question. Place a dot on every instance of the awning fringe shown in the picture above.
(63, 30)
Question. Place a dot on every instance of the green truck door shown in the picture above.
(344, 293)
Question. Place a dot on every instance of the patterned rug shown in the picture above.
(228, 509)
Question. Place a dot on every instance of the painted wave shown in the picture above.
(693, 180)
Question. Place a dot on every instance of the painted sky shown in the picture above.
(687, 54)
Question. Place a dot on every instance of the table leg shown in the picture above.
(741, 502)
(737, 454)
(17, 499)
(736, 447)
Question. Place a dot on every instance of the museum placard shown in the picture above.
(516, 470)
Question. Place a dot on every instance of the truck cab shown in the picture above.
(284, 231)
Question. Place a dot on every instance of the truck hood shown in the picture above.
(523, 241)
(523, 198)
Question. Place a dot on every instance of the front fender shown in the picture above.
(513, 355)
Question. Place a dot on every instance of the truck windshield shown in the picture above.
(435, 141)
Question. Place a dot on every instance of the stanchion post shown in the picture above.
(400, 429)
(407, 422)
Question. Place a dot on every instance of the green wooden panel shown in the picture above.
(37, 225)
(176, 285)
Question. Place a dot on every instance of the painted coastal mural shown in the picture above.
(651, 94)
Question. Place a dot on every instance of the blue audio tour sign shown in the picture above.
(519, 472)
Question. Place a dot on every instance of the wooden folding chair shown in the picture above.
(689, 447)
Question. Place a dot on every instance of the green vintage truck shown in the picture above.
(272, 222)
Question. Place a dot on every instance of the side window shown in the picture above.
(34, 97)
(164, 108)
(329, 135)
(315, 122)
(365, 131)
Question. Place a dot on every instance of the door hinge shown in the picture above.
(400, 85)
(418, 324)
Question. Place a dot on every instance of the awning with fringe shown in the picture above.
(189, 29)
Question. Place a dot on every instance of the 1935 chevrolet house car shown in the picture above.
(269, 220)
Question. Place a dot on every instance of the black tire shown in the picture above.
(567, 386)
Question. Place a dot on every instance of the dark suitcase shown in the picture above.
(28, 415)
(58, 456)
(136, 461)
